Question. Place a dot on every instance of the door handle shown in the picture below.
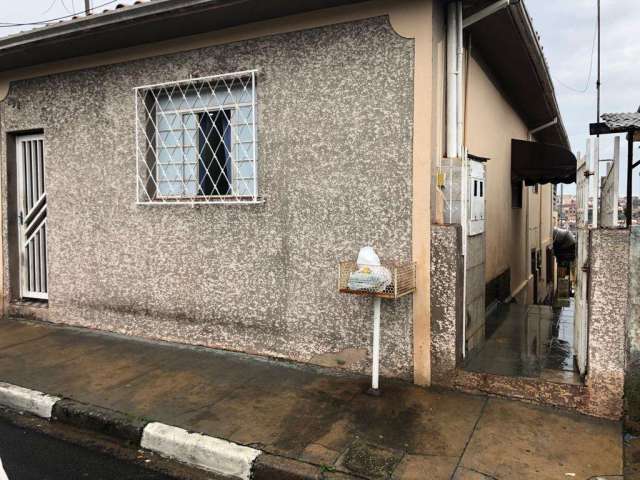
(21, 218)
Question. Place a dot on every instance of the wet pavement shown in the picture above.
(29, 455)
(533, 341)
(315, 415)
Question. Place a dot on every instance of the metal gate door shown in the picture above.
(582, 226)
(32, 217)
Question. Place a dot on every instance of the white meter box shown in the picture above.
(476, 195)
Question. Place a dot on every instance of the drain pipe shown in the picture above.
(452, 75)
(453, 133)
(455, 114)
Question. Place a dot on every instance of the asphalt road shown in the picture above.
(29, 455)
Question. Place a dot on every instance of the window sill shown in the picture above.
(191, 202)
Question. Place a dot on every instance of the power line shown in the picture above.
(593, 49)
(50, 7)
(26, 24)
(66, 8)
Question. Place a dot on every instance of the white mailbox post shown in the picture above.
(403, 283)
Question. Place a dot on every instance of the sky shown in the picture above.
(566, 29)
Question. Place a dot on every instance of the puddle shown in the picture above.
(526, 341)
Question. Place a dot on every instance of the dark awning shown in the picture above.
(536, 162)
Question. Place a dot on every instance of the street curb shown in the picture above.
(209, 453)
(212, 454)
(27, 400)
(102, 420)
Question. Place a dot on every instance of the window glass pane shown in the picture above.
(244, 187)
(190, 172)
(191, 188)
(243, 115)
(166, 155)
(243, 151)
(243, 133)
(170, 139)
(245, 169)
(190, 121)
(170, 188)
(170, 172)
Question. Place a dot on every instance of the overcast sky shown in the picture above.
(566, 30)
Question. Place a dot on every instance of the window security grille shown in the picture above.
(196, 140)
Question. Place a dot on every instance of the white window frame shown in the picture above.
(146, 147)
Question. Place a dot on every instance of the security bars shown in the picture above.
(32, 216)
(196, 141)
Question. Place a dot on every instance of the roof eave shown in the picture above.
(145, 23)
(530, 37)
(509, 47)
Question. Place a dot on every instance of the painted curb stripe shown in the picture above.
(26, 400)
(213, 454)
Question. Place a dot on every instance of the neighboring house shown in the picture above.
(193, 171)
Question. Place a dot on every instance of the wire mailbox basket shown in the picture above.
(389, 280)
(402, 281)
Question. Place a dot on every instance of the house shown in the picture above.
(194, 170)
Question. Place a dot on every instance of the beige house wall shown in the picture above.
(491, 124)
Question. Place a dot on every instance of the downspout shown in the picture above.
(452, 74)
(455, 115)
(462, 154)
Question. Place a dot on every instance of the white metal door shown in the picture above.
(582, 229)
(32, 217)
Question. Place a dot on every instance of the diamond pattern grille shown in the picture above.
(196, 140)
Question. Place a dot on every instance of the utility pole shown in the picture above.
(87, 7)
(598, 82)
(596, 190)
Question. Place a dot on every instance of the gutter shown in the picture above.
(146, 23)
(105, 20)
(522, 21)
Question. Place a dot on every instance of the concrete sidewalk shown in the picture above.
(315, 415)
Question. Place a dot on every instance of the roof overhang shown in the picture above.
(618, 123)
(540, 163)
(508, 45)
(144, 23)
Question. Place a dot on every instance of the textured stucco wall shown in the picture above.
(608, 313)
(632, 381)
(446, 299)
(335, 111)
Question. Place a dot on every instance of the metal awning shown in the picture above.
(540, 163)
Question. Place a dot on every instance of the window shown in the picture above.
(196, 140)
